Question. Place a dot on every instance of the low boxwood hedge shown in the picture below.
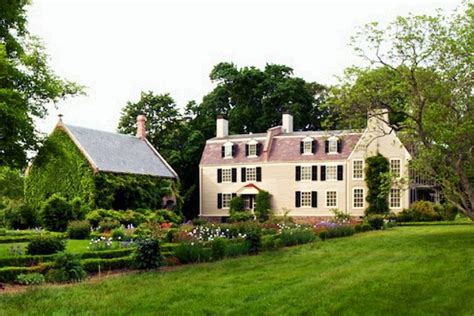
(107, 254)
(92, 265)
(25, 261)
(9, 274)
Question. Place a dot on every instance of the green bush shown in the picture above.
(45, 245)
(67, 267)
(9, 274)
(240, 217)
(55, 213)
(78, 229)
(108, 225)
(108, 254)
(18, 215)
(200, 221)
(79, 208)
(338, 231)
(375, 221)
(93, 265)
(25, 261)
(263, 207)
(270, 242)
(377, 178)
(237, 210)
(169, 216)
(148, 254)
(96, 216)
(30, 278)
(421, 211)
(135, 218)
(364, 227)
(192, 252)
(219, 248)
(253, 235)
(296, 236)
(235, 249)
(446, 212)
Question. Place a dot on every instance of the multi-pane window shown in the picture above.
(306, 199)
(251, 174)
(306, 173)
(331, 199)
(332, 146)
(358, 169)
(252, 149)
(226, 197)
(228, 151)
(227, 175)
(331, 173)
(395, 198)
(395, 167)
(308, 147)
(358, 198)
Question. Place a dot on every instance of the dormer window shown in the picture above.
(307, 146)
(228, 150)
(253, 148)
(333, 145)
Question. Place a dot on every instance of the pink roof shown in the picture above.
(283, 149)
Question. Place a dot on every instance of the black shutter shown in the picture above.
(234, 149)
(314, 175)
(314, 199)
(259, 149)
(234, 174)
(340, 170)
(234, 195)
(323, 173)
(298, 173)
(259, 174)
(219, 175)
(298, 199)
(339, 145)
(219, 200)
(222, 151)
(243, 174)
(246, 150)
(313, 146)
(326, 146)
(301, 147)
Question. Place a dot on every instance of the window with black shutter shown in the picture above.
(323, 173)
(301, 147)
(340, 170)
(297, 199)
(246, 150)
(339, 146)
(219, 200)
(259, 149)
(219, 175)
(259, 174)
(314, 199)
(326, 146)
(314, 173)
(243, 174)
(298, 173)
(313, 146)
(222, 151)
(234, 150)
(234, 174)
(234, 195)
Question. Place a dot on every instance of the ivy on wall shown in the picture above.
(378, 179)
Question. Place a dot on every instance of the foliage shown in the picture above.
(236, 248)
(78, 229)
(9, 274)
(168, 216)
(18, 215)
(30, 279)
(219, 248)
(447, 211)
(254, 238)
(236, 205)
(377, 193)
(45, 245)
(107, 225)
(100, 244)
(67, 268)
(364, 227)
(192, 252)
(11, 185)
(420, 211)
(148, 254)
(341, 217)
(296, 236)
(199, 221)
(375, 221)
(327, 230)
(94, 265)
(263, 207)
(107, 254)
(55, 213)
(420, 70)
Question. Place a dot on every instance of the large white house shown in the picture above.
(307, 173)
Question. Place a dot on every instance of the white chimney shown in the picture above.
(378, 120)
(287, 122)
(141, 129)
(222, 127)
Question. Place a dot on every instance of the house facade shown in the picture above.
(307, 173)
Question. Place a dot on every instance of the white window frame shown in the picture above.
(335, 172)
(308, 174)
(247, 174)
(228, 150)
(332, 145)
(224, 200)
(354, 199)
(390, 196)
(326, 199)
(252, 148)
(229, 171)
(306, 193)
(308, 146)
(353, 169)
(399, 165)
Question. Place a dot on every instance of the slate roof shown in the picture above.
(118, 153)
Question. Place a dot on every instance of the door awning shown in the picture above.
(248, 189)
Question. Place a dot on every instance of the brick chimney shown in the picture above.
(141, 129)
(222, 126)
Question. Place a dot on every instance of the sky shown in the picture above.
(118, 48)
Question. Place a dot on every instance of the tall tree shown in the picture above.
(27, 85)
(421, 69)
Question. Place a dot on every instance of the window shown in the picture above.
(332, 146)
(306, 199)
(251, 174)
(331, 172)
(306, 173)
(226, 197)
(227, 175)
(228, 151)
(331, 199)
(308, 147)
(358, 198)
(252, 149)
(358, 169)
(395, 198)
(395, 167)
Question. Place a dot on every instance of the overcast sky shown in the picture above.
(119, 48)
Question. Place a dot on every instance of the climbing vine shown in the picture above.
(378, 179)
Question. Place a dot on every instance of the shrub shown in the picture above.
(108, 254)
(169, 216)
(341, 217)
(66, 268)
(235, 249)
(296, 236)
(447, 212)
(120, 234)
(192, 252)
(78, 229)
(9, 274)
(200, 221)
(240, 216)
(45, 245)
(263, 207)
(95, 264)
(337, 231)
(421, 211)
(148, 254)
(25, 261)
(98, 215)
(30, 278)
(108, 224)
(79, 208)
(364, 227)
(375, 221)
(55, 213)
(218, 248)
(237, 205)
(254, 238)
(134, 218)
(18, 215)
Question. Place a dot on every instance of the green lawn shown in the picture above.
(425, 270)
(75, 246)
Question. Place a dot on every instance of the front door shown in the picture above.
(249, 201)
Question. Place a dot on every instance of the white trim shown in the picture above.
(326, 199)
(400, 171)
(310, 199)
(222, 174)
(363, 198)
(330, 165)
(222, 202)
(363, 166)
(400, 199)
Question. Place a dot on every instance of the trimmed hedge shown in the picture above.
(92, 265)
(107, 254)
(25, 261)
(9, 274)
(12, 239)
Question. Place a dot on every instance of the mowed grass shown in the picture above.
(426, 270)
